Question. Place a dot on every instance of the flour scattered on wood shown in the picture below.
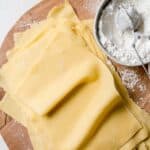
(92, 7)
(25, 25)
(142, 87)
(129, 78)
(132, 81)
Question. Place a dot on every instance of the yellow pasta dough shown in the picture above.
(64, 93)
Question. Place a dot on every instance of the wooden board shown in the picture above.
(134, 79)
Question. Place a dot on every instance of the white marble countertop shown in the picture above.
(10, 12)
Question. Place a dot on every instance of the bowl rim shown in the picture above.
(102, 5)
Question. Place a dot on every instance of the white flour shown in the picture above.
(129, 78)
(132, 80)
(122, 22)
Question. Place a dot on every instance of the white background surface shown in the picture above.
(10, 12)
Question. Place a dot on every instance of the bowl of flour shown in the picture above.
(123, 26)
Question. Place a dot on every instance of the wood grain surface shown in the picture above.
(134, 78)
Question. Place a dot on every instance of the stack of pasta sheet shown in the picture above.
(59, 86)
